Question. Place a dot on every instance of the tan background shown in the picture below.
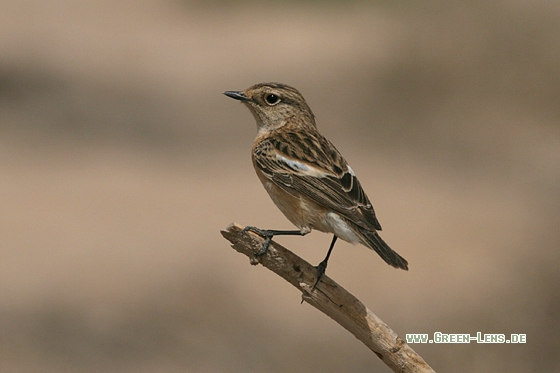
(120, 161)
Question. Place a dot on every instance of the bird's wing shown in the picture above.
(311, 166)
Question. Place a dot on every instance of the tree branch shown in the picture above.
(331, 299)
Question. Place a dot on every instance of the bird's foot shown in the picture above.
(321, 269)
(266, 233)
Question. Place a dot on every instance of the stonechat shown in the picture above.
(306, 176)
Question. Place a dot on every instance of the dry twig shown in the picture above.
(331, 299)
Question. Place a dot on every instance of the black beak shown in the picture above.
(238, 95)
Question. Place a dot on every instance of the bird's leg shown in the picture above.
(268, 234)
(322, 267)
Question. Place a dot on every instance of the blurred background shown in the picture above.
(121, 160)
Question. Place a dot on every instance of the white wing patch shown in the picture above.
(301, 167)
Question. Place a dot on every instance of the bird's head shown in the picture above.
(274, 105)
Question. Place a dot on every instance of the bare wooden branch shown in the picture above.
(331, 299)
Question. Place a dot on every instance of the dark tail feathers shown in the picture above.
(390, 256)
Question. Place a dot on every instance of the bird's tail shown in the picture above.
(374, 242)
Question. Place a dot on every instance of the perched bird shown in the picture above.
(306, 176)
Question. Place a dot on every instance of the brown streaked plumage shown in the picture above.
(305, 175)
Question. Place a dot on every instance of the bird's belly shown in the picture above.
(334, 223)
(307, 215)
(299, 213)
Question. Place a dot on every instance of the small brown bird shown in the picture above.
(306, 176)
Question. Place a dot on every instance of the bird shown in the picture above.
(306, 176)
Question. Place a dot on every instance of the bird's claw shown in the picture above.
(321, 269)
(267, 234)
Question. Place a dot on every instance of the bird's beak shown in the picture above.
(238, 95)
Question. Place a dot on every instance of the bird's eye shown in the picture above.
(272, 99)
